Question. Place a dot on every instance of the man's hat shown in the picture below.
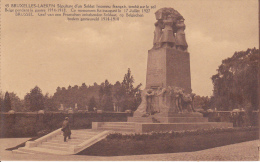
(67, 118)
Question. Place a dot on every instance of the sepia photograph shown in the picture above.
(129, 80)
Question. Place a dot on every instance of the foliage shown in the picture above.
(49, 104)
(35, 99)
(6, 103)
(17, 104)
(105, 94)
(235, 84)
(76, 94)
(174, 134)
(92, 104)
(201, 102)
(127, 96)
(1, 102)
(156, 143)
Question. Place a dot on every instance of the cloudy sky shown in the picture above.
(51, 51)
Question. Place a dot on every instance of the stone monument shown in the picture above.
(168, 79)
(167, 101)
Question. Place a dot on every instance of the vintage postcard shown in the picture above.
(129, 80)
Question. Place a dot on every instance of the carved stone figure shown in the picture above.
(157, 34)
(161, 100)
(149, 101)
(168, 38)
(161, 95)
(175, 97)
(169, 30)
(186, 102)
(180, 35)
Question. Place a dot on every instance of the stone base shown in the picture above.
(167, 119)
(135, 127)
(173, 114)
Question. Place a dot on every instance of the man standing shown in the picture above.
(66, 129)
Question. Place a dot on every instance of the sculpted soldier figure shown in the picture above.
(157, 34)
(161, 94)
(180, 35)
(169, 29)
(168, 38)
(149, 101)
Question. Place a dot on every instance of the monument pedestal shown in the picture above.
(170, 117)
(168, 67)
(153, 123)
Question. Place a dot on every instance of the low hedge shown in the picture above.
(117, 144)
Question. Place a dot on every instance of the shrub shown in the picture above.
(160, 135)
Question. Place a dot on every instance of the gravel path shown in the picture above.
(246, 151)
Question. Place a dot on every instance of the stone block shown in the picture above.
(168, 67)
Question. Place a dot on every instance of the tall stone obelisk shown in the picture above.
(168, 65)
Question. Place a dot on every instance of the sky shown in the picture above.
(52, 51)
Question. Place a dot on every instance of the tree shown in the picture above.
(83, 86)
(7, 103)
(36, 99)
(105, 94)
(1, 102)
(100, 95)
(235, 84)
(26, 103)
(58, 89)
(128, 96)
(16, 102)
(49, 104)
(92, 104)
(202, 102)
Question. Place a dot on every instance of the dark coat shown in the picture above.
(66, 128)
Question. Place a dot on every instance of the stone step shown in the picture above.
(61, 140)
(117, 125)
(56, 145)
(68, 141)
(21, 152)
(77, 136)
(74, 136)
(37, 150)
(53, 147)
(182, 119)
(139, 120)
(167, 119)
(85, 132)
(64, 144)
(120, 123)
(116, 128)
